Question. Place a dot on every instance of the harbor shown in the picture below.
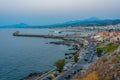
(76, 41)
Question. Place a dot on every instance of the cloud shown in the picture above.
(57, 10)
(58, 5)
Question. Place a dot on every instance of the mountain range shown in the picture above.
(93, 21)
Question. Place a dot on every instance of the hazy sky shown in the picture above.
(43, 12)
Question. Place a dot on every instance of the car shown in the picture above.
(56, 73)
(81, 68)
(49, 77)
(95, 51)
(73, 72)
(78, 70)
(67, 76)
(86, 59)
(87, 52)
(92, 55)
(89, 61)
(46, 79)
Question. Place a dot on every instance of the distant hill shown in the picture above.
(93, 21)
(90, 22)
(21, 25)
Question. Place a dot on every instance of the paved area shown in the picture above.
(88, 59)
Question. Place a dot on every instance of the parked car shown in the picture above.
(89, 61)
(56, 73)
(67, 76)
(46, 79)
(49, 77)
(73, 72)
(67, 66)
(86, 59)
(81, 68)
(78, 70)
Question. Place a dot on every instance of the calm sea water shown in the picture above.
(20, 56)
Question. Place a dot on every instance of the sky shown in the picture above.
(44, 12)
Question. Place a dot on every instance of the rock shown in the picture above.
(115, 75)
(31, 75)
(111, 67)
(103, 75)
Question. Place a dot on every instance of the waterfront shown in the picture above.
(20, 56)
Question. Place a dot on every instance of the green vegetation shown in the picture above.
(99, 51)
(106, 65)
(110, 47)
(107, 48)
(118, 56)
(60, 64)
(76, 57)
(98, 44)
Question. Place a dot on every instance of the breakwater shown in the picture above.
(68, 40)
(17, 33)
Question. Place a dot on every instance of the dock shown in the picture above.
(17, 33)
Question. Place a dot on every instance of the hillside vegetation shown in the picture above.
(106, 68)
(109, 48)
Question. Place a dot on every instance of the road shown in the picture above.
(89, 58)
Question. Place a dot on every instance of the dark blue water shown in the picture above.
(20, 56)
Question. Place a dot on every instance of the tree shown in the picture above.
(99, 51)
(60, 64)
(118, 39)
(76, 58)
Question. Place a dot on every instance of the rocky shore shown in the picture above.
(75, 41)
(32, 76)
(68, 40)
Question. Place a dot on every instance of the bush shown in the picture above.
(75, 59)
(104, 60)
(99, 51)
(60, 64)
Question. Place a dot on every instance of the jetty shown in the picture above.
(17, 33)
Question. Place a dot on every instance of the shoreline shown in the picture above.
(66, 41)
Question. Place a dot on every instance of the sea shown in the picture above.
(20, 56)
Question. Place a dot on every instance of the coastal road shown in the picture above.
(89, 58)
